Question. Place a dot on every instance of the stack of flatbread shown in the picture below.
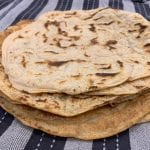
(82, 74)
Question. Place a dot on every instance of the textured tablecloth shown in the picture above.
(14, 135)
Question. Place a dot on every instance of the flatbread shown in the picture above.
(130, 27)
(100, 123)
(67, 53)
(60, 104)
(74, 64)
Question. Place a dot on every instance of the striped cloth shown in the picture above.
(14, 135)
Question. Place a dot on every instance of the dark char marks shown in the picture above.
(106, 74)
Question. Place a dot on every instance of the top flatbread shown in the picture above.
(78, 51)
(66, 52)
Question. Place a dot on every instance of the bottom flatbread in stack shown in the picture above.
(100, 123)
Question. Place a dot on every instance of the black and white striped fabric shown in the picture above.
(14, 135)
